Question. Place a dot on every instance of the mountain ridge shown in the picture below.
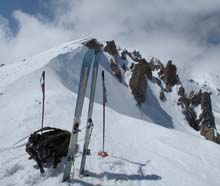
(142, 149)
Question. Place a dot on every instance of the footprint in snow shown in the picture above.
(13, 170)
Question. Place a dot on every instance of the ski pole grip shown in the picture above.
(42, 81)
(103, 74)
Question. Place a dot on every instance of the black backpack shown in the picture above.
(47, 146)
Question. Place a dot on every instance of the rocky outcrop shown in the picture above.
(124, 67)
(205, 123)
(208, 132)
(131, 66)
(196, 99)
(138, 82)
(116, 70)
(123, 55)
(169, 76)
(135, 55)
(162, 96)
(191, 118)
(184, 102)
(207, 117)
(155, 64)
(158, 81)
(94, 44)
(148, 70)
(181, 91)
(111, 48)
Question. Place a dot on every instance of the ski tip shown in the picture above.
(90, 53)
(98, 56)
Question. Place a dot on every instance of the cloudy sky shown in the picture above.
(183, 31)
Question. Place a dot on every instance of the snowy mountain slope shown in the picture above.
(141, 153)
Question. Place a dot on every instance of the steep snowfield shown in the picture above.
(140, 151)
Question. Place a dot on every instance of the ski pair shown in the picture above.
(85, 69)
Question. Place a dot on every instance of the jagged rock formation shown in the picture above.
(111, 48)
(135, 55)
(93, 43)
(169, 75)
(156, 64)
(138, 81)
(205, 123)
(162, 96)
(123, 55)
(116, 70)
(167, 78)
(158, 81)
(181, 91)
(148, 70)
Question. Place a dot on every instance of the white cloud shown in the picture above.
(34, 36)
(168, 29)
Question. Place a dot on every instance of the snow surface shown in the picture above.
(148, 146)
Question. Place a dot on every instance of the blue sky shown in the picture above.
(32, 7)
(7, 6)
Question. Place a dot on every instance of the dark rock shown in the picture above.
(1, 65)
(124, 67)
(138, 82)
(207, 118)
(196, 99)
(132, 66)
(161, 71)
(158, 81)
(147, 67)
(206, 103)
(207, 132)
(111, 48)
(148, 71)
(116, 70)
(184, 102)
(123, 55)
(170, 76)
(137, 55)
(162, 96)
(132, 56)
(190, 116)
(217, 139)
(155, 64)
(93, 44)
(181, 91)
(210, 134)
(191, 94)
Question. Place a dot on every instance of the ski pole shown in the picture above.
(103, 153)
(103, 91)
(42, 82)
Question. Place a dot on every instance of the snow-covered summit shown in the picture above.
(148, 145)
